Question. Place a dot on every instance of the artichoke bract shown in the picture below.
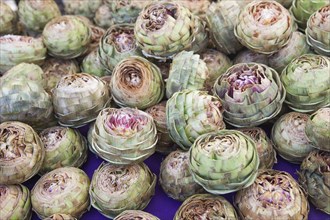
(64, 147)
(63, 190)
(78, 98)
(91, 64)
(264, 26)
(164, 29)
(273, 195)
(59, 216)
(16, 49)
(8, 19)
(135, 214)
(289, 138)
(224, 161)
(265, 147)
(314, 178)
(136, 82)
(318, 31)
(115, 189)
(123, 136)
(175, 177)
(206, 206)
(250, 93)
(66, 37)
(248, 56)
(81, 7)
(15, 202)
(190, 114)
(318, 127)
(21, 152)
(307, 83)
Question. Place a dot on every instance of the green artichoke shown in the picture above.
(318, 127)
(115, 189)
(15, 202)
(251, 94)
(21, 152)
(81, 7)
(92, 64)
(8, 19)
(136, 82)
(16, 49)
(206, 206)
(264, 26)
(273, 195)
(190, 114)
(307, 82)
(164, 29)
(59, 216)
(78, 98)
(314, 178)
(175, 177)
(248, 56)
(66, 37)
(123, 136)
(289, 138)
(64, 190)
(318, 31)
(224, 161)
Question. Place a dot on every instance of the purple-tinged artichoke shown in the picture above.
(21, 152)
(175, 177)
(91, 64)
(59, 216)
(248, 56)
(314, 177)
(135, 214)
(206, 206)
(64, 190)
(273, 195)
(8, 19)
(250, 93)
(15, 202)
(115, 189)
(81, 7)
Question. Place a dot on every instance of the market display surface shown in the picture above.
(191, 109)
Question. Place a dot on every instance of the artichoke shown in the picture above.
(314, 178)
(175, 177)
(78, 98)
(135, 214)
(59, 216)
(251, 94)
(318, 31)
(318, 127)
(273, 195)
(164, 29)
(15, 202)
(16, 49)
(264, 26)
(136, 82)
(115, 189)
(206, 206)
(224, 161)
(265, 147)
(66, 37)
(92, 64)
(248, 56)
(307, 82)
(8, 19)
(81, 7)
(117, 44)
(64, 147)
(21, 152)
(123, 136)
(190, 114)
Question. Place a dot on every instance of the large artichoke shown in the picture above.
(115, 189)
(135, 214)
(192, 113)
(21, 152)
(81, 7)
(63, 190)
(248, 56)
(251, 94)
(307, 83)
(314, 178)
(224, 161)
(8, 19)
(273, 195)
(136, 82)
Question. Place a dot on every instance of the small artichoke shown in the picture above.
(92, 64)
(8, 19)
(135, 214)
(206, 206)
(273, 195)
(21, 152)
(307, 83)
(248, 56)
(81, 7)
(192, 113)
(314, 178)
(115, 189)
(251, 94)
(15, 202)
(264, 26)
(136, 82)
